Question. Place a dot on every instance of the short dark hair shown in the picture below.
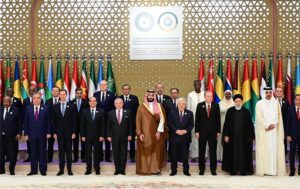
(56, 87)
(125, 85)
(174, 88)
(63, 90)
(78, 89)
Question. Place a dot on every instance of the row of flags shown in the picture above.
(251, 87)
(21, 85)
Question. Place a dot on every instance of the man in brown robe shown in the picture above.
(150, 129)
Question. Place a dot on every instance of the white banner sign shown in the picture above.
(155, 33)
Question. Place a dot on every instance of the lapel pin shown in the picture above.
(10, 112)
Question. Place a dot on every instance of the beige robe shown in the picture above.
(269, 142)
(150, 154)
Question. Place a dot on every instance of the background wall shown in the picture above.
(95, 27)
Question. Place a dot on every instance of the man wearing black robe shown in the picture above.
(238, 136)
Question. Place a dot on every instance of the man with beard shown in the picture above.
(238, 135)
(150, 129)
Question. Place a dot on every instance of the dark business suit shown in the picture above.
(92, 130)
(180, 143)
(83, 105)
(37, 131)
(64, 127)
(131, 104)
(208, 127)
(284, 108)
(119, 134)
(10, 127)
(106, 105)
(50, 103)
(293, 130)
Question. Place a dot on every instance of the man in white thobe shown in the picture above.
(269, 134)
(194, 98)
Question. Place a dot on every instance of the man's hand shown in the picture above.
(197, 135)
(26, 137)
(48, 136)
(271, 127)
(289, 138)
(129, 138)
(142, 137)
(73, 136)
(109, 139)
(157, 135)
(18, 137)
(226, 139)
(83, 139)
(179, 132)
(184, 132)
(55, 136)
(101, 139)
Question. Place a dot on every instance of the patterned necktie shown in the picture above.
(119, 117)
(208, 110)
(36, 113)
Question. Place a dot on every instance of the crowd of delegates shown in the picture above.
(162, 126)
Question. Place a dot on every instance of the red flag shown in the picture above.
(289, 82)
(210, 81)
(1, 79)
(74, 79)
(67, 78)
(83, 80)
(33, 73)
(279, 72)
(201, 73)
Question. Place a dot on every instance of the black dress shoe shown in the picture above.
(132, 161)
(27, 160)
(2, 172)
(31, 173)
(12, 173)
(123, 173)
(173, 173)
(187, 174)
(292, 174)
(70, 173)
(108, 160)
(50, 161)
(83, 160)
(193, 160)
(213, 173)
(201, 173)
(87, 172)
(116, 172)
(232, 173)
(97, 172)
(43, 174)
(60, 173)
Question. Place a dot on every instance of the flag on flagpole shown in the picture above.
(8, 73)
(263, 78)
(17, 82)
(228, 85)
(41, 83)
(271, 80)
(297, 75)
(254, 86)
(210, 80)
(67, 85)
(236, 81)
(279, 71)
(33, 81)
(75, 81)
(110, 77)
(49, 79)
(83, 80)
(289, 82)
(219, 91)
(100, 72)
(25, 82)
(1, 78)
(92, 81)
(246, 91)
(58, 81)
(201, 74)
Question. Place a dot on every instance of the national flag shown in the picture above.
(25, 82)
(75, 82)
(1, 78)
(100, 72)
(92, 81)
(83, 80)
(49, 79)
(110, 77)
(8, 73)
(58, 81)
(210, 80)
(33, 81)
(297, 75)
(271, 80)
(67, 85)
(254, 86)
(41, 83)
(236, 81)
(246, 88)
(17, 82)
(228, 85)
(201, 74)
(263, 78)
(279, 72)
(289, 82)
(219, 91)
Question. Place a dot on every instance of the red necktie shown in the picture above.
(119, 117)
(208, 110)
(36, 113)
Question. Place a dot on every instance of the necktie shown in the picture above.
(5, 113)
(102, 97)
(298, 113)
(181, 116)
(126, 99)
(280, 101)
(63, 109)
(55, 101)
(78, 105)
(93, 114)
(36, 113)
(159, 99)
(119, 117)
(174, 103)
(208, 110)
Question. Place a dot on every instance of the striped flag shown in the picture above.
(100, 72)
(236, 81)
(246, 88)
(33, 81)
(279, 71)
(1, 78)
(201, 74)
(289, 82)
(8, 73)
(228, 85)
(271, 80)
(83, 80)
(49, 79)
(25, 82)
(58, 81)
(111, 84)
(297, 75)
(17, 82)
(41, 84)
(92, 81)
(210, 80)
(75, 81)
(67, 85)
(254, 86)
(219, 90)
(263, 80)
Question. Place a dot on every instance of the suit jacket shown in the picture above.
(40, 128)
(64, 126)
(16, 103)
(26, 102)
(12, 125)
(132, 104)
(108, 104)
(174, 124)
(169, 106)
(50, 105)
(208, 126)
(89, 128)
(84, 104)
(165, 98)
(284, 108)
(119, 131)
(292, 123)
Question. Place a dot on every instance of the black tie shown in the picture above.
(55, 101)
(93, 115)
(174, 103)
(126, 99)
(102, 97)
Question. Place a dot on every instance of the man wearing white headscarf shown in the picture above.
(269, 134)
(225, 104)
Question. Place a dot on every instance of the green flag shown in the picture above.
(110, 76)
(41, 83)
(58, 81)
(92, 88)
(8, 73)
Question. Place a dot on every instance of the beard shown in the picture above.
(150, 99)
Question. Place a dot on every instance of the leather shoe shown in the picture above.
(70, 173)
(214, 173)
(97, 172)
(187, 174)
(173, 173)
(201, 173)
(60, 173)
(31, 173)
(87, 172)
(292, 174)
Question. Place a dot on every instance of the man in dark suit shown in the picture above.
(92, 130)
(119, 132)
(160, 97)
(131, 102)
(64, 130)
(207, 129)
(180, 123)
(293, 132)
(37, 128)
(50, 103)
(80, 104)
(105, 101)
(10, 133)
(15, 102)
